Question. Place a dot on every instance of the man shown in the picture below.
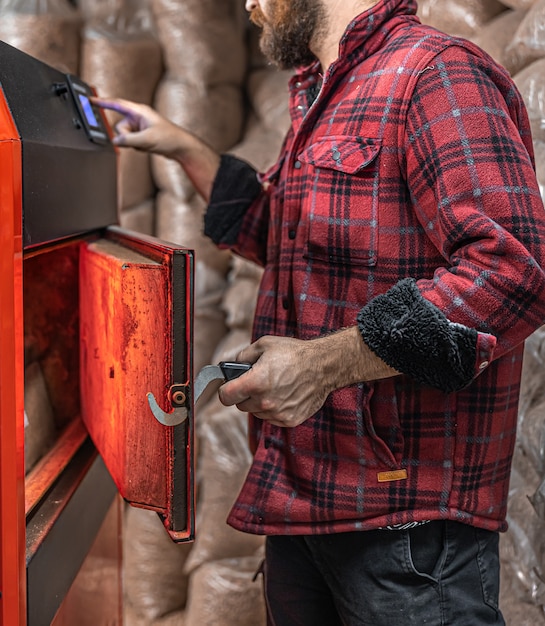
(402, 235)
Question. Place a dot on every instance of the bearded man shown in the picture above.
(402, 237)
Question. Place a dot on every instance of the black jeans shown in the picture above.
(437, 574)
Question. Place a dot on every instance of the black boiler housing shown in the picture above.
(69, 179)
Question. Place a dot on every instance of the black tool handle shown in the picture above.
(232, 369)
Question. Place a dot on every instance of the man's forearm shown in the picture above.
(346, 359)
(292, 378)
(200, 163)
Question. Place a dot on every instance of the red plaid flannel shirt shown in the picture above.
(404, 200)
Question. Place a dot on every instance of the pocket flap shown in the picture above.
(342, 153)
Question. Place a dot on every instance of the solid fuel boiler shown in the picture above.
(95, 345)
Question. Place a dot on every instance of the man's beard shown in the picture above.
(288, 31)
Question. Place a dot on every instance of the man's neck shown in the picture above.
(339, 15)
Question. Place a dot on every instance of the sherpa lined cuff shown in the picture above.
(235, 188)
(414, 337)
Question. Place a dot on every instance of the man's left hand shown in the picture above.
(291, 378)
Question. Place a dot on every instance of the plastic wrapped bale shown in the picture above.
(153, 566)
(227, 593)
(459, 17)
(495, 36)
(532, 432)
(269, 120)
(121, 54)
(203, 40)
(40, 429)
(131, 618)
(533, 370)
(538, 500)
(46, 29)
(183, 222)
(121, 57)
(140, 217)
(209, 326)
(517, 609)
(260, 145)
(224, 460)
(539, 150)
(205, 57)
(215, 113)
(268, 94)
(531, 421)
(518, 4)
(528, 42)
(522, 547)
(531, 84)
(91, 9)
(240, 296)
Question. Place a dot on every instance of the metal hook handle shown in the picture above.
(176, 417)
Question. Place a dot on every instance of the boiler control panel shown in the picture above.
(69, 164)
(89, 115)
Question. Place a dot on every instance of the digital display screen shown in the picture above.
(90, 118)
(88, 110)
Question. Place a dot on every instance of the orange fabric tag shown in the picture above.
(386, 477)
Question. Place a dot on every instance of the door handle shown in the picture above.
(177, 416)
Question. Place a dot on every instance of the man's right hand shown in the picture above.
(143, 128)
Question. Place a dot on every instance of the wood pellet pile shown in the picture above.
(198, 63)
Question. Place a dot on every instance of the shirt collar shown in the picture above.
(365, 34)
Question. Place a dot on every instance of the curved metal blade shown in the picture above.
(207, 374)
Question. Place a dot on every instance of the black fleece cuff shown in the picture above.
(414, 337)
(235, 188)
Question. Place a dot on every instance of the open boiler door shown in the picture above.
(136, 367)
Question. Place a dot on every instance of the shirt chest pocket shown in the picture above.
(341, 207)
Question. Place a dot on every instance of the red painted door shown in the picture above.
(136, 365)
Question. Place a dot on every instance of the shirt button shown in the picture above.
(336, 155)
(297, 165)
(292, 234)
(285, 304)
(483, 365)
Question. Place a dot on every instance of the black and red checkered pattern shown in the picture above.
(405, 187)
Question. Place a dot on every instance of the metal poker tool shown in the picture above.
(224, 371)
